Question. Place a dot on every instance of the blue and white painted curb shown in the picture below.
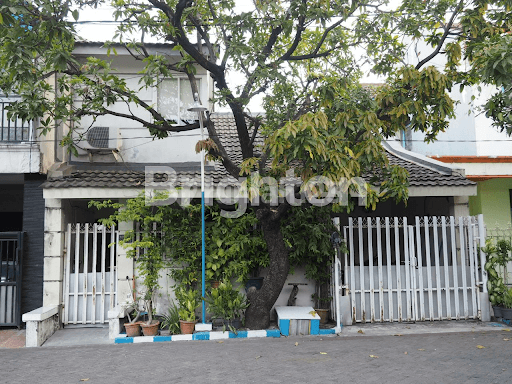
(275, 333)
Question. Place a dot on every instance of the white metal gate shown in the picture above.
(90, 273)
(429, 269)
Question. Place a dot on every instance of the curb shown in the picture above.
(275, 333)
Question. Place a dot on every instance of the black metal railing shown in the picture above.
(12, 131)
(11, 251)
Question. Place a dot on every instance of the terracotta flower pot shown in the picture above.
(187, 327)
(132, 329)
(150, 329)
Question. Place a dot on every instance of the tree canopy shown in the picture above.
(306, 58)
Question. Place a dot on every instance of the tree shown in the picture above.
(304, 56)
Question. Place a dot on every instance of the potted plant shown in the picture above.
(132, 327)
(188, 300)
(171, 320)
(227, 305)
(149, 243)
(506, 311)
(497, 257)
(322, 305)
(149, 327)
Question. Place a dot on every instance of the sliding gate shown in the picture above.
(11, 251)
(427, 269)
(90, 283)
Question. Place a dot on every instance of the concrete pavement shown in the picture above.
(80, 336)
(483, 355)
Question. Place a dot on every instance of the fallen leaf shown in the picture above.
(421, 349)
(312, 313)
(398, 334)
(480, 346)
(506, 339)
(84, 379)
(360, 331)
(296, 343)
(323, 353)
(405, 353)
(257, 357)
(220, 342)
(506, 330)
(374, 356)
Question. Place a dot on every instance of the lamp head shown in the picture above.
(197, 106)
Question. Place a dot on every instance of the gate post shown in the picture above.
(337, 265)
(485, 309)
(53, 253)
(125, 270)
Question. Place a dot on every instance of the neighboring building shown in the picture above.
(21, 216)
(472, 144)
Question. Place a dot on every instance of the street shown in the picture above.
(471, 357)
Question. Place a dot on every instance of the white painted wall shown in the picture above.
(468, 134)
(130, 138)
(19, 158)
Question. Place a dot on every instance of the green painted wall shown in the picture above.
(493, 200)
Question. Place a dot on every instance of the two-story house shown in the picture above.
(83, 275)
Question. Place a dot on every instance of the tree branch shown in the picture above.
(443, 38)
(164, 128)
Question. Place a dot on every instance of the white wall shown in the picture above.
(130, 138)
(468, 134)
(19, 158)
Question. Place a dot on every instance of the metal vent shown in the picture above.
(98, 137)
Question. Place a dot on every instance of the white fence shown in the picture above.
(429, 269)
(90, 283)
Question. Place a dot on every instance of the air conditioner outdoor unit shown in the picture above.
(100, 140)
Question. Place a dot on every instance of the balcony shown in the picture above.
(19, 152)
(13, 131)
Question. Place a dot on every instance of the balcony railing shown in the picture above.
(13, 131)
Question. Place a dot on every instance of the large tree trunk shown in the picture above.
(257, 316)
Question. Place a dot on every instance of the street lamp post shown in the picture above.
(197, 107)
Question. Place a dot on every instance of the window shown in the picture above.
(174, 98)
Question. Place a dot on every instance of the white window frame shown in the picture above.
(201, 87)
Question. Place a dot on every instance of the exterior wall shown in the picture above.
(53, 252)
(19, 158)
(460, 137)
(166, 294)
(33, 260)
(468, 134)
(130, 138)
(493, 201)
(125, 271)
